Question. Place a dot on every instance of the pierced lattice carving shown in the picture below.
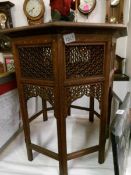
(46, 93)
(90, 90)
(84, 60)
(36, 62)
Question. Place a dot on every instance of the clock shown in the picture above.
(86, 6)
(34, 11)
(114, 11)
(5, 15)
(3, 19)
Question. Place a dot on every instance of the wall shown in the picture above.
(19, 18)
(129, 50)
(121, 47)
(98, 15)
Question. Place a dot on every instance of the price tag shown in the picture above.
(68, 38)
(120, 111)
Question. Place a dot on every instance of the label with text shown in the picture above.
(119, 111)
(69, 38)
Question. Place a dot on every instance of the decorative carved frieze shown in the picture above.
(47, 93)
(90, 90)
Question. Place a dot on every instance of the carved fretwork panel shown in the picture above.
(36, 62)
(47, 93)
(84, 60)
(90, 90)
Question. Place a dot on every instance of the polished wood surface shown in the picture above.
(55, 27)
(62, 73)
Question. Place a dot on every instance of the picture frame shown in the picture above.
(120, 136)
(9, 63)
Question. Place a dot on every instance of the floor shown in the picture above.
(80, 134)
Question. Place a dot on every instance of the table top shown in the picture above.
(60, 26)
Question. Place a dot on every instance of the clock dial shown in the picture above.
(5, 15)
(115, 2)
(33, 8)
(34, 11)
(3, 19)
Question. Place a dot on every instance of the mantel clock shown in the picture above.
(5, 15)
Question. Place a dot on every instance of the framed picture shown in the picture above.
(1, 67)
(9, 63)
(120, 136)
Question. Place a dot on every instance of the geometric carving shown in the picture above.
(90, 90)
(36, 62)
(83, 60)
(45, 93)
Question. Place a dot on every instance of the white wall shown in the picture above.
(121, 47)
(19, 19)
(126, 11)
(98, 15)
(129, 50)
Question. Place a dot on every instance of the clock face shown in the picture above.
(33, 8)
(34, 11)
(115, 2)
(3, 19)
(86, 6)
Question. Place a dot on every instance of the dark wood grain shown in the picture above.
(62, 73)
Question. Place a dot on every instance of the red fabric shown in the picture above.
(63, 6)
(7, 87)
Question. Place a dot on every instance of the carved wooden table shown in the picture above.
(61, 73)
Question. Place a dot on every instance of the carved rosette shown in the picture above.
(83, 60)
(90, 90)
(36, 62)
(47, 93)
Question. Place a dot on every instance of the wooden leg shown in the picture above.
(69, 111)
(26, 127)
(102, 140)
(44, 107)
(29, 153)
(62, 150)
(109, 111)
(91, 113)
(102, 132)
(101, 156)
